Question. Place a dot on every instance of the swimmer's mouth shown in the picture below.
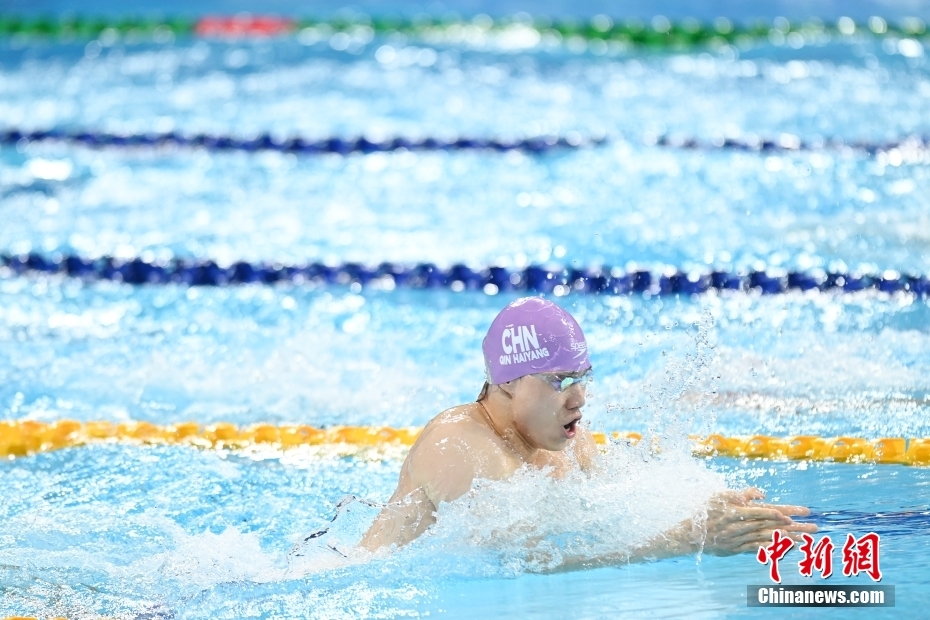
(571, 427)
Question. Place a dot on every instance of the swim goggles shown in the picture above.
(561, 381)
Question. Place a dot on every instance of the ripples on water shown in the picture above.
(849, 364)
(178, 533)
(165, 532)
(600, 205)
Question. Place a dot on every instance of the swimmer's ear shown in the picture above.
(484, 392)
(507, 388)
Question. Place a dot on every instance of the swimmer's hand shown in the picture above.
(735, 523)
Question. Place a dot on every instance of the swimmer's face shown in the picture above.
(546, 418)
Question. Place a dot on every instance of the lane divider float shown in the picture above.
(305, 146)
(558, 281)
(659, 32)
(19, 438)
(910, 149)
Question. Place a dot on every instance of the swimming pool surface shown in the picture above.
(174, 532)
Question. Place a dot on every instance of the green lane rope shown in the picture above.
(658, 33)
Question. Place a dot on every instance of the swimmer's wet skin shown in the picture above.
(528, 414)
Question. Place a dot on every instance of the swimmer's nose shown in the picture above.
(576, 396)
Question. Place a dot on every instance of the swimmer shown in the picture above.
(528, 414)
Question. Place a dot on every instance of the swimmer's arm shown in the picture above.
(438, 469)
(733, 525)
(404, 518)
(445, 466)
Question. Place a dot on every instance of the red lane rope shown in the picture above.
(243, 26)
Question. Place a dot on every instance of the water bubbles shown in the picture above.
(661, 24)
(108, 37)
(910, 48)
(795, 40)
(846, 26)
(878, 25)
(385, 54)
(426, 57)
(517, 37)
(92, 50)
(50, 170)
(236, 58)
(601, 23)
(576, 44)
(340, 41)
(163, 35)
(314, 34)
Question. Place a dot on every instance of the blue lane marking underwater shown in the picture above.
(901, 523)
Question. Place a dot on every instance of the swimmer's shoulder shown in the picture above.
(462, 423)
(458, 439)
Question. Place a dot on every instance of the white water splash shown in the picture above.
(534, 522)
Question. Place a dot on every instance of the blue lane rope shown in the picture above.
(265, 142)
(538, 144)
(789, 142)
(534, 279)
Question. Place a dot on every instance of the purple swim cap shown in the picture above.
(533, 335)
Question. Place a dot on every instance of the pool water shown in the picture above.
(171, 532)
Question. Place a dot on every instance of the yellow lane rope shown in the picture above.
(25, 437)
